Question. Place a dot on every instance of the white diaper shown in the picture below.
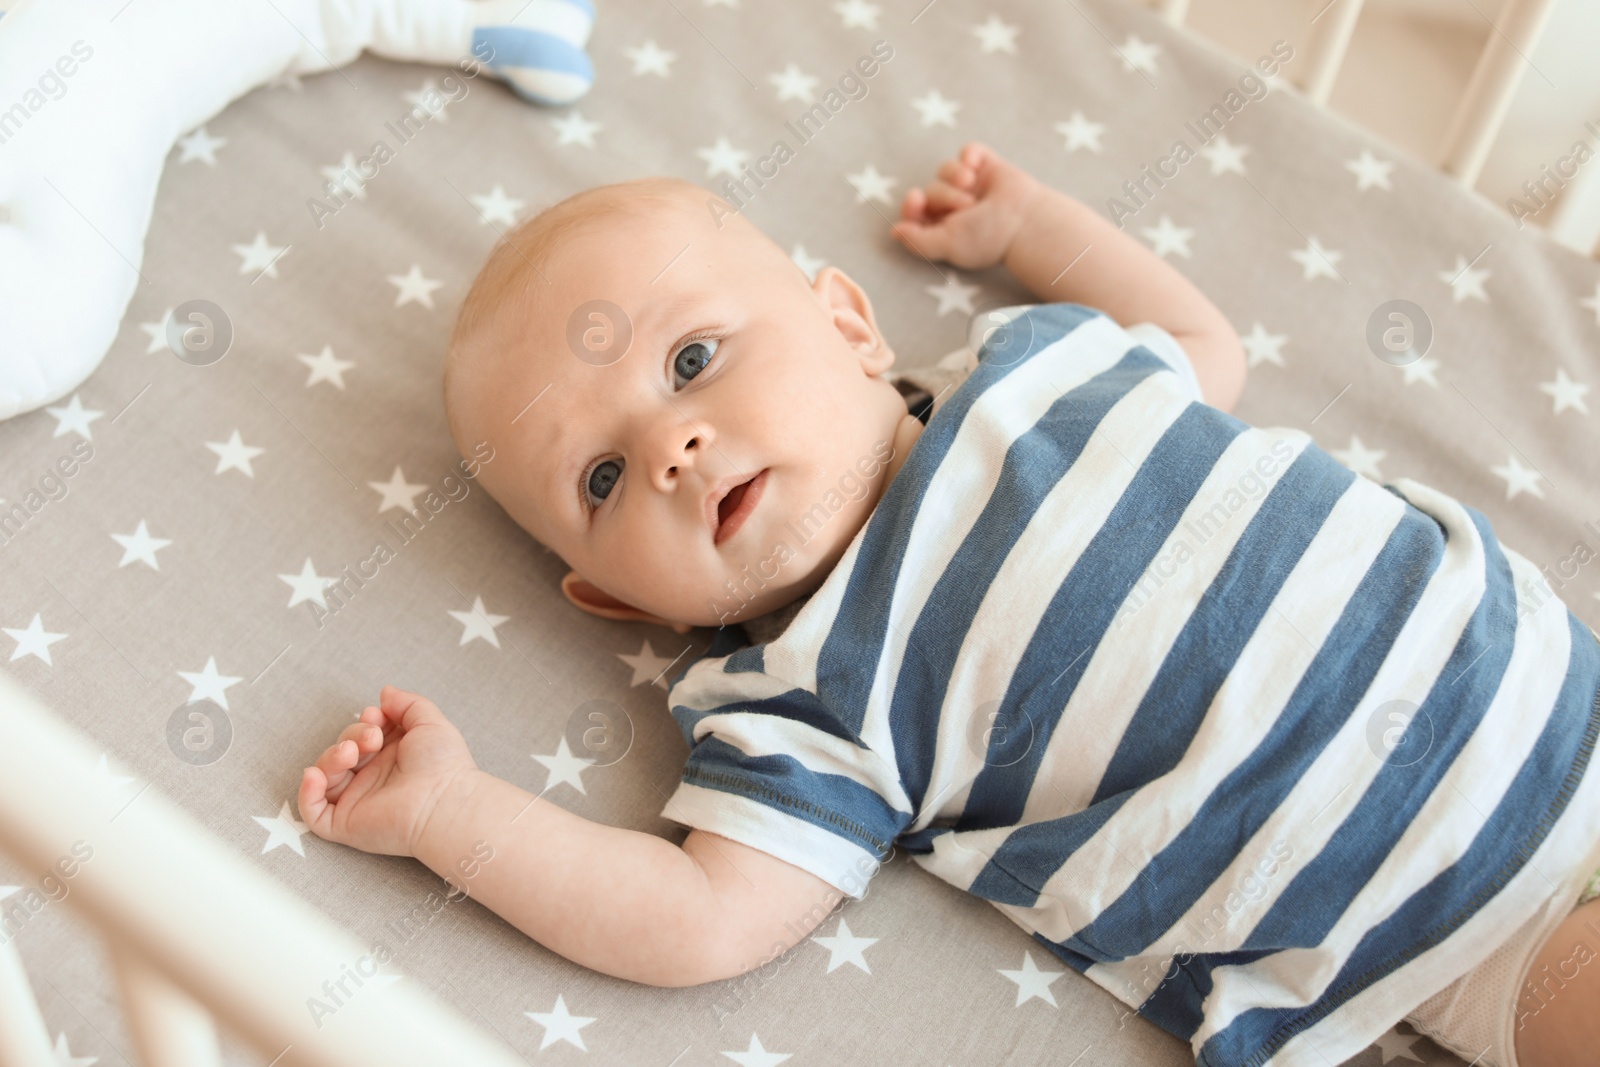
(1476, 1015)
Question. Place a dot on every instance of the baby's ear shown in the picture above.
(596, 601)
(852, 316)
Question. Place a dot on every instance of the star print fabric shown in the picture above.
(156, 523)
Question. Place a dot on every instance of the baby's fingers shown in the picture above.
(929, 240)
(316, 811)
(957, 174)
(339, 761)
(944, 198)
(408, 710)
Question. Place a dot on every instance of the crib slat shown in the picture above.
(255, 954)
(1331, 28)
(1500, 69)
(170, 1029)
(24, 1041)
(1576, 222)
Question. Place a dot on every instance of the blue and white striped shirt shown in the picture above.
(1267, 750)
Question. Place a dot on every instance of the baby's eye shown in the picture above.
(693, 357)
(601, 479)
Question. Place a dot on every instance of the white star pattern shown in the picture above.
(793, 84)
(1081, 133)
(880, 130)
(1224, 156)
(1394, 1044)
(209, 685)
(74, 418)
(307, 585)
(496, 206)
(479, 623)
(952, 294)
(1370, 171)
(140, 547)
(844, 947)
(1361, 459)
(870, 185)
(647, 666)
(325, 368)
(1138, 55)
(935, 109)
(343, 175)
(157, 332)
(1465, 281)
(757, 1055)
(1566, 393)
(1519, 479)
(723, 158)
(202, 146)
(807, 263)
(996, 36)
(1166, 237)
(65, 1058)
(649, 58)
(260, 256)
(111, 780)
(234, 454)
(282, 829)
(1316, 261)
(397, 492)
(1032, 982)
(564, 768)
(857, 13)
(33, 640)
(1421, 371)
(413, 286)
(1263, 347)
(419, 101)
(560, 1025)
(575, 129)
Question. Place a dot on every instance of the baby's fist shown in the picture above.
(971, 213)
(377, 785)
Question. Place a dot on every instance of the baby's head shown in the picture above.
(639, 347)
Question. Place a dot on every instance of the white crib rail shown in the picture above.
(1478, 118)
(194, 930)
(1500, 70)
(1328, 41)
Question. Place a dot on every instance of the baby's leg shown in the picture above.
(1558, 1013)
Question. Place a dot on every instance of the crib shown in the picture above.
(159, 902)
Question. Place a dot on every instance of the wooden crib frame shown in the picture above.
(197, 934)
(194, 931)
(1575, 222)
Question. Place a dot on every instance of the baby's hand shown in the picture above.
(375, 787)
(972, 213)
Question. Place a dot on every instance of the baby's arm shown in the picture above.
(983, 210)
(401, 782)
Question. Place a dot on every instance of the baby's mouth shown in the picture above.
(733, 509)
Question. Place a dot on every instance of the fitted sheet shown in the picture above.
(333, 374)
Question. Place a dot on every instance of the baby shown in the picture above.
(1273, 754)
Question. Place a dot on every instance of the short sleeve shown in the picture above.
(782, 775)
(1148, 334)
(1167, 349)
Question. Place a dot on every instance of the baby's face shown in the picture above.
(739, 373)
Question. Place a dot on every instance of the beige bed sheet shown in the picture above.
(1298, 226)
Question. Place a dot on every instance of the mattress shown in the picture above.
(179, 516)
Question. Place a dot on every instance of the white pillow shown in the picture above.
(94, 93)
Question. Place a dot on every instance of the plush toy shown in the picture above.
(93, 93)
